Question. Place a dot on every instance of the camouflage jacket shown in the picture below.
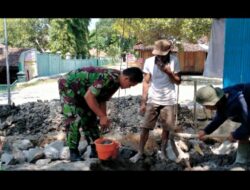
(102, 82)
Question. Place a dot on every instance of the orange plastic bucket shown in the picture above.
(106, 151)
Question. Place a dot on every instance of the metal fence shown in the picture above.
(4, 87)
(51, 64)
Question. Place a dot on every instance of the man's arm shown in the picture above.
(174, 77)
(96, 108)
(103, 107)
(145, 86)
(213, 125)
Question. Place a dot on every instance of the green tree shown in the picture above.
(26, 33)
(105, 38)
(111, 40)
(69, 35)
(193, 29)
(147, 30)
(105, 35)
(91, 40)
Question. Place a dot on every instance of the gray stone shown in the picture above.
(34, 154)
(226, 147)
(9, 120)
(24, 144)
(7, 159)
(51, 152)
(64, 154)
(19, 156)
(58, 145)
(43, 162)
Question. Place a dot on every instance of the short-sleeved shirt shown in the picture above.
(162, 89)
(102, 82)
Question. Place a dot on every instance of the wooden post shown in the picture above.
(177, 101)
(7, 60)
(195, 89)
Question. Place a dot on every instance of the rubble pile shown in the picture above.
(32, 137)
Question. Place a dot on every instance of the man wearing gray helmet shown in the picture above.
(231, 103)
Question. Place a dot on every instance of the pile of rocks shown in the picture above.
(32, 137)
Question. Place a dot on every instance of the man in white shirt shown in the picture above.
(161, 73)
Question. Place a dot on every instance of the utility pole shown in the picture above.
(7, 62)
(97, 45)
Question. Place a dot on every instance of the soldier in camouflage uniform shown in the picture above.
(84, 93)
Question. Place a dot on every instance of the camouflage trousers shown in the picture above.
(77, 115)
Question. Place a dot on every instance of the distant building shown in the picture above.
(13, 58)
(192, 57)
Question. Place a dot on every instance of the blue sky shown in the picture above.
(92, 23)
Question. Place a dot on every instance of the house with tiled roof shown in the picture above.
(191, 57)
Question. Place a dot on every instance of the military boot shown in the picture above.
(93, 153)
(74, 155)
(243, 154)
